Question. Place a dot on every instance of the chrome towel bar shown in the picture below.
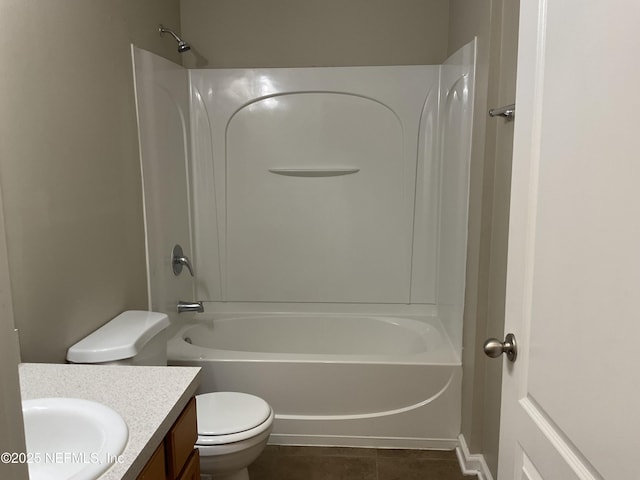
(508, 112)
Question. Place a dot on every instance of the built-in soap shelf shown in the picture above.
(314, 172)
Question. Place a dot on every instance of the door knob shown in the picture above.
(178, 260)
(494, 348)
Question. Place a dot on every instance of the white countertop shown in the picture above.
(148, 398)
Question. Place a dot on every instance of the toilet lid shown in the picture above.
(225, 413)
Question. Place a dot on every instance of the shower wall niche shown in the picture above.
(319, 186)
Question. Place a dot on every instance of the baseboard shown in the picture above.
(472, 464)
(364, 442)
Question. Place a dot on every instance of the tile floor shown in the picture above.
(338, 463)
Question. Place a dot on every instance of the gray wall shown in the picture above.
(69, 163)
(304, 33)
(12, 437)
(495, 22)
(469, 19)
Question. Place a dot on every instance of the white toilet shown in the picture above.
(233, 428)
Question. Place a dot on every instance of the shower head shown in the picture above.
(182, 45)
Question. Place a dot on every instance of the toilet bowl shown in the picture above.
(233, 427)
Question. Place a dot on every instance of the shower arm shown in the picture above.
(162, 30)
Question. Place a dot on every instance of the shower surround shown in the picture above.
(320, 203)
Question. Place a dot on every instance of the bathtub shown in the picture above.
(344, 380)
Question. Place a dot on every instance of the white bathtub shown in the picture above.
(334, 379)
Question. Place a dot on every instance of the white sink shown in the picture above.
(71, 438)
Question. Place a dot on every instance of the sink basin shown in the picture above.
(71, 438)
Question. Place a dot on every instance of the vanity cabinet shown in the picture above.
(176, 458)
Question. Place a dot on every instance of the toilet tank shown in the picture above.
(134, 337)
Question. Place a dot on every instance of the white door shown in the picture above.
(571, 400)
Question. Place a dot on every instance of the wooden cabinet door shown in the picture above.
(192, 469)
(155, 468)
(181, 439)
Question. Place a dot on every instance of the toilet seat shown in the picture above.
(227, 417)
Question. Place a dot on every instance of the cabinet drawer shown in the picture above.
(181, 439)
(155, 468)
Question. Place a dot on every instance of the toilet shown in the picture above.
(233, 427)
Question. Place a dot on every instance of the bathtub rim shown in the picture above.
(179, 350)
